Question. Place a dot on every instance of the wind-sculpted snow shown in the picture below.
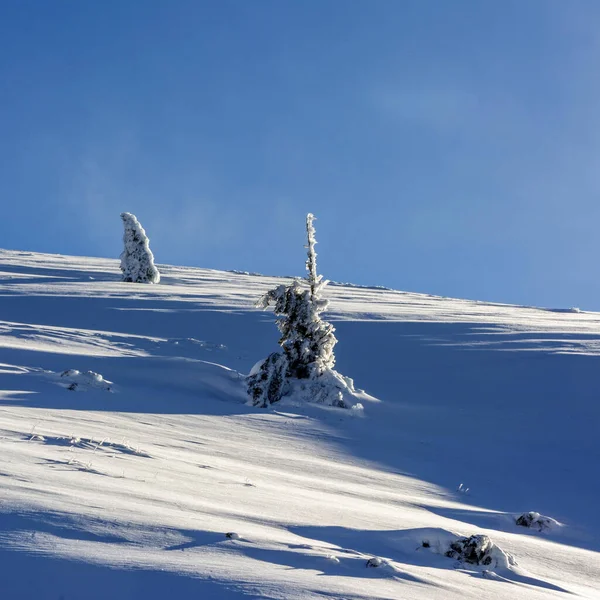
(172, 486)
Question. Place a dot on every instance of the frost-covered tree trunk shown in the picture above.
(137, 260)
(311, 262)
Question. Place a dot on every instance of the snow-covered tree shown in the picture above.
(137, 260)
(307, 340)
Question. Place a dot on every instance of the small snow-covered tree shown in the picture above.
(137, 260)
(307, 340)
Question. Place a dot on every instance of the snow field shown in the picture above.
(130, 494)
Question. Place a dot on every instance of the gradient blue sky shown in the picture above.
(449, 147)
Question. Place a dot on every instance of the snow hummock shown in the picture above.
(77, 381)
(480, 550)
(536, 521)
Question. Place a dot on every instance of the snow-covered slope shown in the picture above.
(124, 485)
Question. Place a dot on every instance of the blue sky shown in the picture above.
(445, 147)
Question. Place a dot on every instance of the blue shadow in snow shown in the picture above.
(405, 547)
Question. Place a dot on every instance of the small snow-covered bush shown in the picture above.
(304, 370)
(137, 260)
(534, 520)
(479, 550)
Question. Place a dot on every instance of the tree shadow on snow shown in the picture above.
(26, 548)
(514, 422)
(61, 579)
(196, 539)
(45, 274)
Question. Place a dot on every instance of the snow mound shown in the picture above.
(76, 381)
(330, 389)
(534, 520)
(375, 562)
(385, 568)
(480, 550)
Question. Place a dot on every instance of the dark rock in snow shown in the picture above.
(480, 550)
(374, 562)
(534, 520)
(476, 550)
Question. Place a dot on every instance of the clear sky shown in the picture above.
(448, 147)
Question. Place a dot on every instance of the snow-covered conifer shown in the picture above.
(307, 340)
(137, 260)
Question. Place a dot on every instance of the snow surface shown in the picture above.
(170, 486)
